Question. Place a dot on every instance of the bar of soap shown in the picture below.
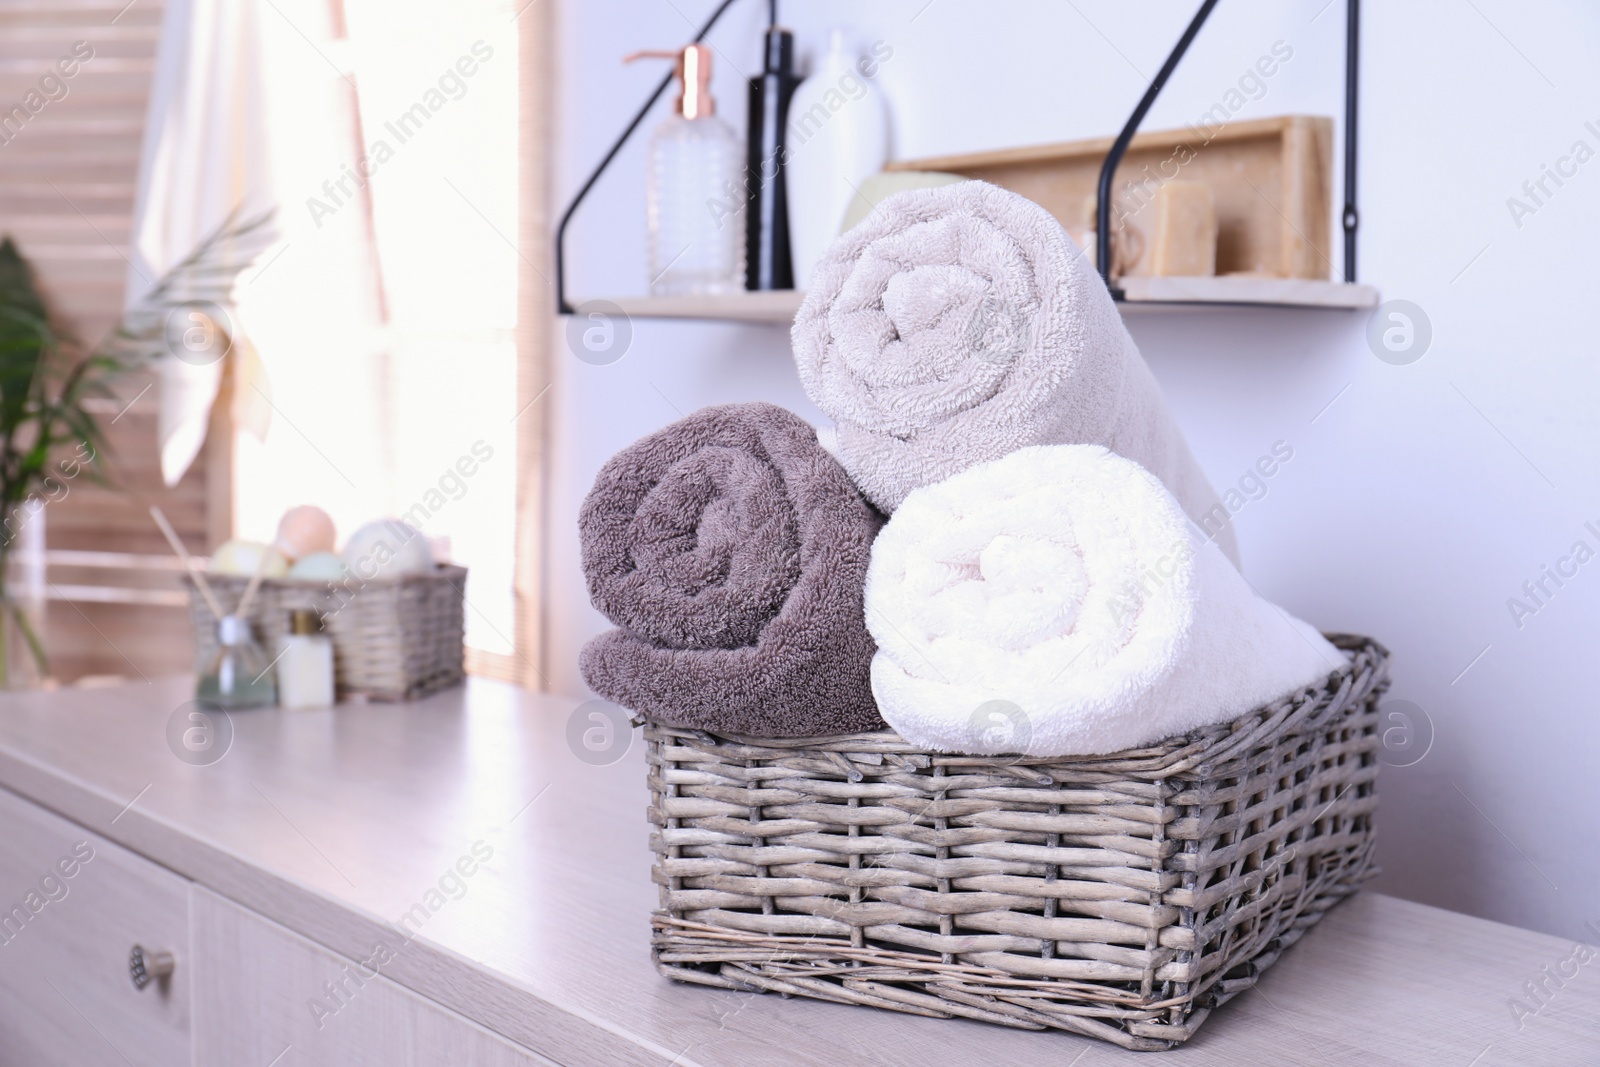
(1184, 241)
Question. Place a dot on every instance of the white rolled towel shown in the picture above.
(957, 324)
(1057, 602)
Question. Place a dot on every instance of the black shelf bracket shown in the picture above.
(1352, 80)
(1119, 148)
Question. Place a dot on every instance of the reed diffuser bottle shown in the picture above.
(239, 675)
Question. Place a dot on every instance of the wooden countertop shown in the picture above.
(337, 823)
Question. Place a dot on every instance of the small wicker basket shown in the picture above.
(1121, 897)
(393, 638)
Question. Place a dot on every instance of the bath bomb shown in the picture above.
(244, 557)
(304, 530)
(387, 548)
(318, 567)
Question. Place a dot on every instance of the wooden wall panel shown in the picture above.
(67, 187)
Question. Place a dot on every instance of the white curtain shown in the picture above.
(394, 376)
(314, 305)
(204, 156)
(251, 110)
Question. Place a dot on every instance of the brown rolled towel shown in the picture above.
(732, 551)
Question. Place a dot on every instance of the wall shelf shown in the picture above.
(1296, 150)
(1140, 295)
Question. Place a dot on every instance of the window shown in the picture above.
(388, 320)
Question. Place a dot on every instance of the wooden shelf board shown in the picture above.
(1095, 148)
(1270, 182)
(1140, 294)
(1254, 292)
(778, 306)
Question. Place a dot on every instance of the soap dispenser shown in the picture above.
(695, 188)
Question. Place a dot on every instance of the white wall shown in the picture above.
(1415, 505)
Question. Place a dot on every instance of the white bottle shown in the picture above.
(695, 189)
(305, 666)
(838, 135)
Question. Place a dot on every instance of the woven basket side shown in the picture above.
(1269, 842)
(781, 869)
(1118, 896)
(393, 639)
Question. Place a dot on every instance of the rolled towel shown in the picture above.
(957, 324)
(1057, 602)
(732, 551)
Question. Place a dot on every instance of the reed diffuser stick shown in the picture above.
(243, 610)
(188, 561)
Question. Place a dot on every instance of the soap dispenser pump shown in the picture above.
(694, 192)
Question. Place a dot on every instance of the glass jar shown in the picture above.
(240, 674)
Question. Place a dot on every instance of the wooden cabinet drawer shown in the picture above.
(265, 995)
(72, 905)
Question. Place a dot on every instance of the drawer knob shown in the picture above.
(145, 966)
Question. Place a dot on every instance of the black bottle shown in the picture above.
(766, 248)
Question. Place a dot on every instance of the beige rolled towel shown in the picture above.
(956, 325)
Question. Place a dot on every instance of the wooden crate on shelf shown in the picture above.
(1270, 179)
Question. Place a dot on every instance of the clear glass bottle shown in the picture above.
(305, 663)
(240, 674)
(695, 190)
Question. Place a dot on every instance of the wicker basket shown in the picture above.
(393, 638)
(1122, 897)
